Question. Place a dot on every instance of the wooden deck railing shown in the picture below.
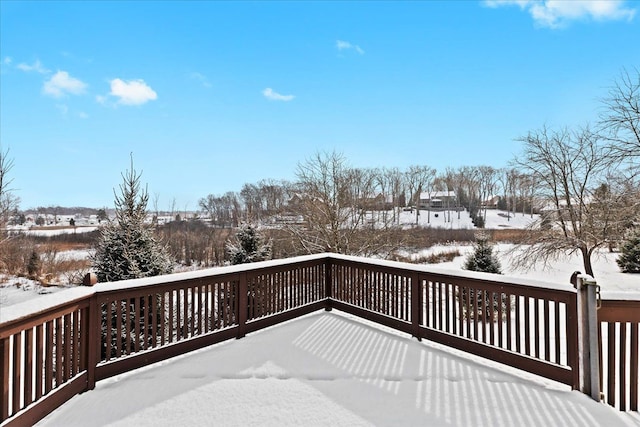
(618, 322)
(48, 357)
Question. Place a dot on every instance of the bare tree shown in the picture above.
(420, 179)
(8, 201)
(620, 118)
(583, 209)
(329, 197)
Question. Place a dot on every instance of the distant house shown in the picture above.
(491, 203)
(378, 202)
(438, 200)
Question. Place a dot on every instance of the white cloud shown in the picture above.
(200, 78)
(275, 96)
(36, 66)
(61, 84)
(7, 60)
(132, 92)
(343, 45)
(83, 115)
(558, 13)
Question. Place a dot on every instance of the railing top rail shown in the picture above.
(52, 301)
(41, 305)
(445, 274)
(621, 295)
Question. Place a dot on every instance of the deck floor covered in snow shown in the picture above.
(328, 368)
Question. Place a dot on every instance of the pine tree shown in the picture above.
(33, 266)
(127, 248)
(629, 259)
(483, 258)
(248, 245)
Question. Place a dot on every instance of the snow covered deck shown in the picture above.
(329, 368)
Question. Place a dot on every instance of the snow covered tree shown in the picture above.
(629, 259)
(482, 258)
(248, 245)
(127, 247)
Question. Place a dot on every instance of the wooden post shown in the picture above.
(242, 307)
(94, 340)
(589, 362)
(4, 368)
(328, 285)
(416, 305)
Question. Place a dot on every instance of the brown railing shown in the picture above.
(618, 322)
(525, 326)
(48, 357)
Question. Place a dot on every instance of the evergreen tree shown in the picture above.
(483, 258)
(629, 259)
(127, 248)
(33, 266)
(248, 245)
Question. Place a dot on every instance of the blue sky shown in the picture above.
(211, 95)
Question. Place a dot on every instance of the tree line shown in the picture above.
(584, 183)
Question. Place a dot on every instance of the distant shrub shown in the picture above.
(629, 258)
(445, 256)
(434, 258)
(482, 258)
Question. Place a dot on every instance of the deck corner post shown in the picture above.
(243, 305)
(328, 282)
(416, 305)
(94, 340)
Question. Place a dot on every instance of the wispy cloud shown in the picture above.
(201, 78)
(275, 96)
(7, 60)
(343, 45)
(83, 115)
(132, 92)
(559, 13)
(36, 66)
(61, 84)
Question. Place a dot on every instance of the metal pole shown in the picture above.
(588, 304)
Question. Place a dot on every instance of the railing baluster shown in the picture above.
(4, 385)
(547, 342)
(622, 364)
(527, 325)
(17, 371)
(49, 359)
(633, 366)
(108, 323)
(59, 352)
(536, 340)
(28, 366)
(185, 312)
(39, 361)
(500, 320)
(611, 356)
(556, 323)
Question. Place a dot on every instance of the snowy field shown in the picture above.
(330, 369)
(495, 219)
(606, 271)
